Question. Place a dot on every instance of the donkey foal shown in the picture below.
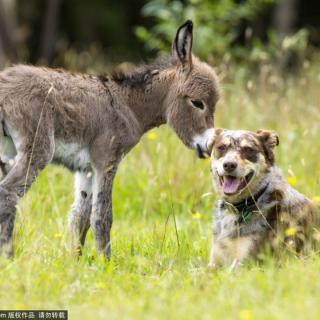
(88, 123)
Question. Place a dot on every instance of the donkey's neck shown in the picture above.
(145, 91)
(147, 98)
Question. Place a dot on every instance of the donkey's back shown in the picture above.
(24, 89)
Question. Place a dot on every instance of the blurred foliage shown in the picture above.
(96, 35)
(224, 30)
(82, 27)
(218, 23)
(292, 49)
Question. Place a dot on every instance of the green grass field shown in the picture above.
(153, 273)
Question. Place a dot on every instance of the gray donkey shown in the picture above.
(88, 123)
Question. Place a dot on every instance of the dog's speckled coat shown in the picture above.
(275, 205)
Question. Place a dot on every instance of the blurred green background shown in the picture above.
(95, 34)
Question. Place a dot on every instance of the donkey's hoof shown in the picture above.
(6, 250)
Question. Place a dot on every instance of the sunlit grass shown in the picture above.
(156, 272)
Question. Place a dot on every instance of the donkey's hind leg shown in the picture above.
(31, 159)
(7, 154)
(79, 216)
(3, 170)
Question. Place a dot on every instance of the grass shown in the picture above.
(153, 274)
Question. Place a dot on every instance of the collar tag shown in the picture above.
(247, 206)
(246, 216)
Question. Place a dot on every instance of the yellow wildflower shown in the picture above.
(292, 180)
(196, 215)
(101, 285)
(290, 232)
(152, 136)
(58, 235)
(316, 199)
(245, 314)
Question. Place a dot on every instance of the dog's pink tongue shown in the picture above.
(231, 185)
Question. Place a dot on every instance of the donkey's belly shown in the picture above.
(72, 156)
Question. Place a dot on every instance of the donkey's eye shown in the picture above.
(198, 104)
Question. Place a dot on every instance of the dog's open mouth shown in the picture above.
(232, 185)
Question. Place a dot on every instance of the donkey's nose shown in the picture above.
(229, 166)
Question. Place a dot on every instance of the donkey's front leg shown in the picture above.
(101, 217)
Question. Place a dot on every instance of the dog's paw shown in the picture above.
(235, 265)
(212, 265)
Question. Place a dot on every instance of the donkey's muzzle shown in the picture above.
(202, 143)
(202, 154)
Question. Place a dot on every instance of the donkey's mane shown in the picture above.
(140, 75)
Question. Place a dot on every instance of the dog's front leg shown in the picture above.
(217, 253)
(243, 249)
(101, 217)
(213, 255)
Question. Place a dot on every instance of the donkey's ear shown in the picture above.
(269, 140)
(182, 45)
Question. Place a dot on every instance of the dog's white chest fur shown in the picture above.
(71, 155)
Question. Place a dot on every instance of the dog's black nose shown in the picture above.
(229, 166)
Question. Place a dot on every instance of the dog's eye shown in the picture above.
(248, 149)
(198, 104)
(221, 147)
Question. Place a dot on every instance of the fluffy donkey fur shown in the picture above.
(88, 123)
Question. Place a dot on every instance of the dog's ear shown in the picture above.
(269, 140)
(213, 139)
(268, 137)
